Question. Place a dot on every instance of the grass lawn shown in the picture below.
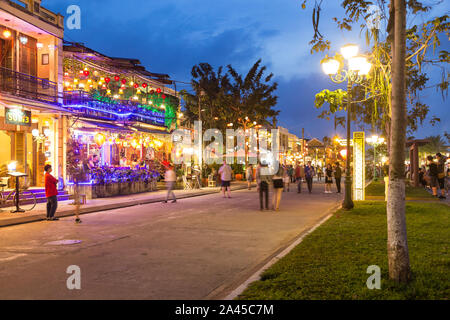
(331, 262)
(376, 189)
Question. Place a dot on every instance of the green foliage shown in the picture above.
(373, 95)
(331, 262)
(231, 97)
(335, 99)
(436, 144)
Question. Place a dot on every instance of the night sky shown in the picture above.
(171, 36)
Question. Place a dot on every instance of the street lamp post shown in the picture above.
(358, 67)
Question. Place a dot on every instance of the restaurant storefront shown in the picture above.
(30, 139)
(119, 135)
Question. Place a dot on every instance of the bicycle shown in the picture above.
(26, 199)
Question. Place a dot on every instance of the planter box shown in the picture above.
(114, 189)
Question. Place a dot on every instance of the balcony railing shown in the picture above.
(116, 110)
(27, 86)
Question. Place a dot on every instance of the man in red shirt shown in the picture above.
(51, 193)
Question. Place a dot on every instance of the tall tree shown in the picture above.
(230, 97)
(398, 254)
(384, 96)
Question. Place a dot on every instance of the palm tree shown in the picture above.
(436, 144)
(252, 98)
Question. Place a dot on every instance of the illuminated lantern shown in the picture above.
(138, 92)
(163, 96)
(343, 153)
(107, 80)
(7, 33)
(152, 92)
(136, 85)
(158, 90)
(117, 141)
(86, 72)
(117, 78)
(124, 81)
(134, 143)
(144, 85)
(100, 139)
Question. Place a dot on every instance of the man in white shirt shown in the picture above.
(170, 178)
(225, 172)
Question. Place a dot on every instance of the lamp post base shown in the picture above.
(347, 204)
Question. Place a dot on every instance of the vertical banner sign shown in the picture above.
(358, 165)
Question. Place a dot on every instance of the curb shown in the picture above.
(67, 213)
(271, 260)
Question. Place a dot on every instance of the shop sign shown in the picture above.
(18, 117)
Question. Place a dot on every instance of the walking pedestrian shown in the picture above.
(441, 174)
(263, 180)
(51, 193)
(299, 175)
(328, 178)
(319, 173)
(309, 174)
(433, 175)
(225, 172)
(277, 188)
(170, 178)
(291, 173)
(249, 176)
(286, 179)
(386, 179)
(337, 177)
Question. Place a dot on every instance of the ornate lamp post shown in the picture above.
(357, 68)
(375, 140)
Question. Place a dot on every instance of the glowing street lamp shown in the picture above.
(357, 68)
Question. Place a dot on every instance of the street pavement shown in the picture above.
(65, 208)
(198, 248)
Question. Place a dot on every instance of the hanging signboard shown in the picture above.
(358, 166)
(18, 117)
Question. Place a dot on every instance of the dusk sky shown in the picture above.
(173, 35)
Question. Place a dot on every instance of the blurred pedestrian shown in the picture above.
(338, 176)
(286, 179)
(319, 172)
(170, 179)
(278, 185)
(441, 174)
(299, 175)
(328, 178)
(225, 172)
(291, 173)
(386, 179)
(249, 176)
(263, 180)
(433, 175)
(309, 174)
(51, 193)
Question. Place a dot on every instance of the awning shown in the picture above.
(104, 125)
(142, 129)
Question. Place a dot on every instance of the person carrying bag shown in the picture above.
(278, 186)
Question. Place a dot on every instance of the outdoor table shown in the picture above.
(17, 175)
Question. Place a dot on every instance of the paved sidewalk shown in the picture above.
(65, 208)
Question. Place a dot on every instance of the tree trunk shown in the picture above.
(398, 256)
